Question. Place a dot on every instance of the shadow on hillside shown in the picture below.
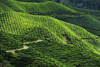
(66, 38)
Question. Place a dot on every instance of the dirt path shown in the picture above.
(25, 47)
(13, 51)
(32, 41)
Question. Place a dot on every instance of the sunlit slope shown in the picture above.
(4, 8)
(43, 8)
(68, 45)
(88, 22)
(47, 27)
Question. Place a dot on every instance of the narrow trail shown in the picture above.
(25, 47)
(13, 51)
(33, 41)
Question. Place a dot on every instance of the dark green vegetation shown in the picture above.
(32, 0)
(85, 4)
(68, 45)
(90, 19)
(39, 8)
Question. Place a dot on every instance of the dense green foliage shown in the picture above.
(85, 4)
(32, 0)
(90, 19)
(64, 44)
(45, 8)
(90, 23)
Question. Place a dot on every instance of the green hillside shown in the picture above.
(44, 8)
(42, 27)
(93, 13)
(51, 42)
(88, 11)
(45, 54)
(60, 12)
(90, 19)
(84, 4)
(90, 23)
(4, 8)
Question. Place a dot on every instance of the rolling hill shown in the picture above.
(60, 12)
(90, 23)
(44, 8)
(62, 44)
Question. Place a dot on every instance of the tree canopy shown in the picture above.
(33, 0)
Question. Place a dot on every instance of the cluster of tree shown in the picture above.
(33, 0)
(87, 4)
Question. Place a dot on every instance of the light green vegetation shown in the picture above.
(90, 23)
(42, 27)
(4, 8)
(68, 45)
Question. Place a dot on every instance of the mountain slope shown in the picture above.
(60, 12)
(31, 25)
(4, 8)
(65, 13)
(88, 11)
(63, 44)
(88, 22)
(47, 54)
(44, 8)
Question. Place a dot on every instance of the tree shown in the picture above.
(41, 0)
(33, 0)
(58, 1)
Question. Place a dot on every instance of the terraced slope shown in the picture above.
(87, 11)
(4, 8)
(45, 54)
(63, 44)
(41, 27)
(60, 12)
(88, 22)
(93, 13)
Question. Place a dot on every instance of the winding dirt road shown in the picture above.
(32, 41)
(25, 47)
(13, 51)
